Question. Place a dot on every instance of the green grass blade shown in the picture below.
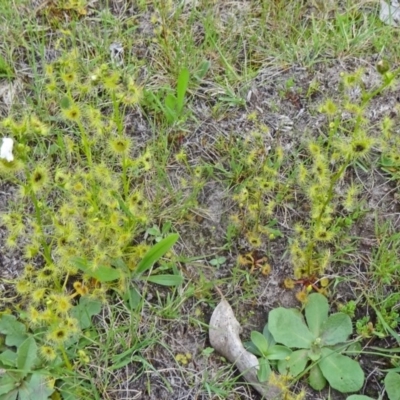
(183, 82)
(166, 280)
(155, 253)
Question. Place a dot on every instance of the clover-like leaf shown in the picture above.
(14, 330)
(84, 311)
(27, 354)
(316, 311)
(8, 358)
(39, 387)
(295, 364)
(278, 352)
(268, 335)
(8, 383)
(336, 329)
(287, 326)
(102, 273)
(342, 373)
(260, 342)
(316, 379)
(392, 385)
(264, 370)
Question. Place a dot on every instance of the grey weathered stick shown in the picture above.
(224, 338)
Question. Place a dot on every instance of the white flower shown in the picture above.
(6, 149)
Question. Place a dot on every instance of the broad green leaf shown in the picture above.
(203, 69)
(250, 346)
(14, 330)
(268, 335)
(170, 101)
(278, 352)
(39, 387)
(65, 103)
(8, 358)
(10, 326)
(27, 354)
(316, 379)
(102, 273)
(295, 365)
(315, 353)
(10, 395)
(166, 280)
(359, 397)
(170, 107)
(342, 373)
(260, 342)
(7, 384)
(264, 370)
(183, 81)
(336, 329)
(287, 327)
(84, 311)
(105, 273)
(155, 253)
(316, 311)
(133, 297)
(392, 386)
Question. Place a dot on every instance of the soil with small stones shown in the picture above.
(289, 114)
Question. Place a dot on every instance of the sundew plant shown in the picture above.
(348, 142)
(267, 178)
(264, 136)
(80, 182)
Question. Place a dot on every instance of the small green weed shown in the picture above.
(218, 261)
(25, 374)
(172, 106)
(31, 357)
(5, 69)
(94, 186)
(264, 346)
(124, 275)
(345, 144)
(320, 343)
(158, 233)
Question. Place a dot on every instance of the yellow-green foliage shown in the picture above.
(253, 171)
(265, 178)
(350, 139)
(79, 173)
